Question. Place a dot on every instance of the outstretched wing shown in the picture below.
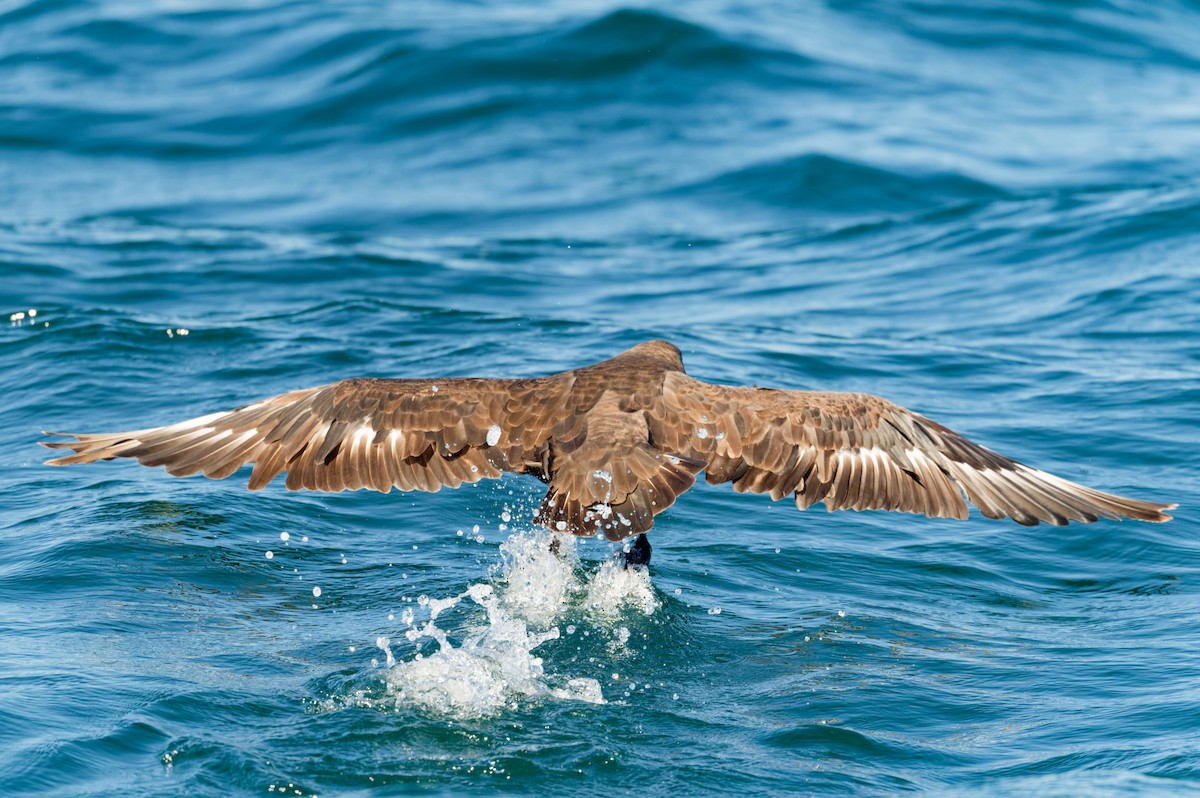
(861, 452)
(361, 433)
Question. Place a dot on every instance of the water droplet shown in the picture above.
(284, 536)
(715, 611)
(317, 592)
(270, 555)
(493, 435)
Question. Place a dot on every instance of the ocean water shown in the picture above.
(987, 212)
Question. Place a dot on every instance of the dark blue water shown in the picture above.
(987, 212)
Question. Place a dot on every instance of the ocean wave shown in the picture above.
(825, 184)
(292, 83)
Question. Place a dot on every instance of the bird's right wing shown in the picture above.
(862, 452)
(360, 433)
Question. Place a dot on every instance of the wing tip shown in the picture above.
(1159, 515)
(63, 460)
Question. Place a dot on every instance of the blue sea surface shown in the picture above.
(988, 212)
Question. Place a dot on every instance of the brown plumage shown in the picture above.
(617, 443)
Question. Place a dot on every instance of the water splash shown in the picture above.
(614, 590)
(538, 575)
(493, 668)
(538, 580)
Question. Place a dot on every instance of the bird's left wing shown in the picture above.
(359, 433)
(862, 452)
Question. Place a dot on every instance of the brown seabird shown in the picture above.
(616, 442)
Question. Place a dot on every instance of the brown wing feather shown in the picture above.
(862, 452)
(363, 433)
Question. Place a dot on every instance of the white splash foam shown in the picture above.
(615, 589)
(537, 584)
(492, 669)
(492, 666)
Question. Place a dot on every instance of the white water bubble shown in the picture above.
(284, 536)
(304, 539)
(715, 611)
(317, 592)
(270, 555)
(385, 645)
(841, 613)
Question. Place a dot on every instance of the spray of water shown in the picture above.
(495, 665)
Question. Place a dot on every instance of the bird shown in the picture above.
(616, 443)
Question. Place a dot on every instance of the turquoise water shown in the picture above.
(987, 214)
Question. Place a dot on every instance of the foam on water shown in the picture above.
(494, 664)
